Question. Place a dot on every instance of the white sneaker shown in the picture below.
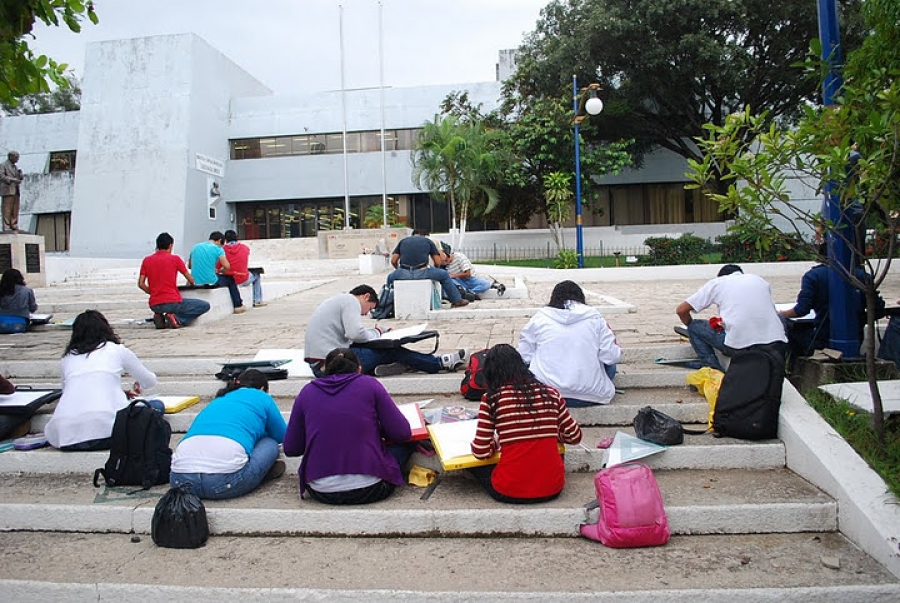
(453, 361)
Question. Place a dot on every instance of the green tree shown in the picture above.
(62, 98)
(21, 72)
(819, 148)
(669, 66)
(455, 160)
(559, 195)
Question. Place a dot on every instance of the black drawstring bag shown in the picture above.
(179, 521)
(657, 427)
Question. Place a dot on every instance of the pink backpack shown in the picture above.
(631, 508)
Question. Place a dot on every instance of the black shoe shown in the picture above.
(500, 287)
(159, 321)
(469, 296)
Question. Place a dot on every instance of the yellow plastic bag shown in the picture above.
(707, 380)
(420, 476)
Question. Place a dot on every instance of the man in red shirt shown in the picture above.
(159, 273)
(238, 256)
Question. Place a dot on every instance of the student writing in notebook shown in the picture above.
(339, 424)
(526, 420)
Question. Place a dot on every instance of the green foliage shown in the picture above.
(62, 98)
(559, 195)
(565, 259)
(855, 426)
(454, 159)
(686, 249)
(21, 72)
(752, 240)
(668, 67)
(374, 217)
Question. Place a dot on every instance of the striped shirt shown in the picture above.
(515, 420)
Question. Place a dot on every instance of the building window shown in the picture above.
(62, 161)
(55, 230)
(327, 143)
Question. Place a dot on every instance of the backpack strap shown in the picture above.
(97, 475)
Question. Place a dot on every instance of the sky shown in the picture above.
(293, 46)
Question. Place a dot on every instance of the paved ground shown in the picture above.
(652, 293)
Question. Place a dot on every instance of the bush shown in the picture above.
(686, 249)
(566, 258)
(737, 248)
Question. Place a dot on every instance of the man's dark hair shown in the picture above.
(729, 269)
(230, 236)
(421, 231)
(216, 236)
(365, 290)
(164, 240)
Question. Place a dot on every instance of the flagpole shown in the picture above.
(381, 92)
(344, 124)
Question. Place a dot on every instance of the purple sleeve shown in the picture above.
(295, 436)
(394, 426)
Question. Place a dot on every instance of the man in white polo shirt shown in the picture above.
(748, 316)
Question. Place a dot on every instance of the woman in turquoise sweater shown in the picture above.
(232, 445)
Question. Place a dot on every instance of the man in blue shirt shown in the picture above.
(410, 258)
(202, 263)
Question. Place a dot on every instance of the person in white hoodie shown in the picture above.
(569, 345)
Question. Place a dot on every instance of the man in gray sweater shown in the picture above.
(337, 323)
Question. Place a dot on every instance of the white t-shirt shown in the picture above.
(92, 393)
(746, 307)
(208, 454)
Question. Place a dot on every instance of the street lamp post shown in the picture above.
(593, 106)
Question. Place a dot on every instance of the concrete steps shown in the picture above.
(697, 502)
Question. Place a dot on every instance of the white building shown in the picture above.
(173, 136)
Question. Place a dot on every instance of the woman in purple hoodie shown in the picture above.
(339, 425)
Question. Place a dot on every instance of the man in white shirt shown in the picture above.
(748, 315)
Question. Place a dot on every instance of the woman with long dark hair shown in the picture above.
(568, 345)
(16, 302)
(232, 445)
(92, 394)
(339, 424)
(526, 420)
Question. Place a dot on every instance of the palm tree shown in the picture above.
(454, 162)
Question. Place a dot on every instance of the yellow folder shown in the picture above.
(177, 403)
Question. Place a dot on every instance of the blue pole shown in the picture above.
(844, 318)
(579, 234)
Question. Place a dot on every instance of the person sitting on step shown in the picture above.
(526, 420)
(92, 394)
(336, 323)
(462, 274)
(232, 445)
(16, 302)
(410, 260)
(339, 425)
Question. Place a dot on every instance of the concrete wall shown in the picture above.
(148, 106)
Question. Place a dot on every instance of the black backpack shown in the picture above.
(750, 395)
(473, 386)
(139, 454)
(385, 307)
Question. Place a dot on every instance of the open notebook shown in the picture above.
(453, 445)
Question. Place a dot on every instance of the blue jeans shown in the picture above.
(473, 284)
(256, 282)
(186, 311)
(369, 358)
(225, 280)
(231, 485)
(431, 273)
(706, 340)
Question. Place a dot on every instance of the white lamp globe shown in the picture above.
(593, 105)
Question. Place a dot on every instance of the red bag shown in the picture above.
(631, 508)
(473, 386)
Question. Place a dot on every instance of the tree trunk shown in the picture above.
(877, 406)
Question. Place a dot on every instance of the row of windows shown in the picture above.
(317, 144)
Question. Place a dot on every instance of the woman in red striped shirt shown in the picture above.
(527, 420)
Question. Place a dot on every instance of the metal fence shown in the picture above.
(503, 253)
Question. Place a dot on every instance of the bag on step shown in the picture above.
(707, 380)
(179, 520)
(750, 395)
(631, 508)
(385, 307)
(657, 427)
(473, 385)
(139, 454)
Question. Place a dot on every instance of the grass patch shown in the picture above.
(855, 427)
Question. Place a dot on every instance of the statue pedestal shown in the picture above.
(24, 252)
